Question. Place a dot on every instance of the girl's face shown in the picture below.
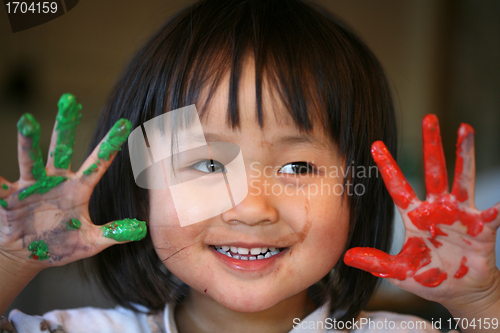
(293, 204)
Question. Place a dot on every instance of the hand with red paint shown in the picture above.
(449, 250)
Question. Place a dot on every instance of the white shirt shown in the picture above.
(124, 320)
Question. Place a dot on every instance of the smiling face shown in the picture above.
(291, 216)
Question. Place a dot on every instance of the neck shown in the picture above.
(199, 313)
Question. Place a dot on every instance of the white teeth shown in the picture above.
(255, 250)
(242, 250)
(242, 253)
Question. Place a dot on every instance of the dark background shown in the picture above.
(441, 56)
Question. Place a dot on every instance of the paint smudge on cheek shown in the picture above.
(462, 270)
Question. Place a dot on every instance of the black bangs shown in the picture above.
(291, 48)
(322, 73)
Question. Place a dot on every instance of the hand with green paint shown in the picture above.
(44, 218)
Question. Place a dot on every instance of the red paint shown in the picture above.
(465, 240)
(436, 178)
(435, 242)
(459, 190)
(445, 210)
(34, 256)
(206, 290)
(414, 255)
(401, 192)
(489, 215)
(431, 278)
(462, 270)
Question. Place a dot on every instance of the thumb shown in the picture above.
(414, 255)
(125, 230)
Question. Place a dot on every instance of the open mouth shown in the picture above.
(242, 253)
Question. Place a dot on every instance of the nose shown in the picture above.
(258, 207)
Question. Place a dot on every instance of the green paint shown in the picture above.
(3, 203)
(92, 168)
(116, 137)
(51, 154)
(5, 187)
(73, 224)
(43, 185)
(39, 250)
(67, 118)
(30, 128)
(125, 230)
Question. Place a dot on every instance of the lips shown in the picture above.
(243, 253)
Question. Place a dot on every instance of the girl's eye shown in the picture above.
(209, 166)
(297, 168)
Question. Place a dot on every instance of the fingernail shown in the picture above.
(67, 118)
(116, 137)
(125, 230)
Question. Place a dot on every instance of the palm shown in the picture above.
(449, 244)
(44, 215)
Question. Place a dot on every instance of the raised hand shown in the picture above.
(44, 218)
(449, 250)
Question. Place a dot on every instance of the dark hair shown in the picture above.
(325, 76)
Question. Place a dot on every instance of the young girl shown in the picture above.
(300, 96)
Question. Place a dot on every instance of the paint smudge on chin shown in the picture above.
(431, 278)
(462, 270)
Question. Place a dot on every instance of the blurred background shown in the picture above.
(441, 56)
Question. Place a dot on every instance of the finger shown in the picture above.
(491, 216)
(5, 187)
(5, 190)
(28, 151)
(96, 164)
(465, 166)
(436, 177)
(414, 255)
(119, 231)
(63, 136)
(396, 183)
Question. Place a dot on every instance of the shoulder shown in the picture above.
(86, 319)
(385, 322)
